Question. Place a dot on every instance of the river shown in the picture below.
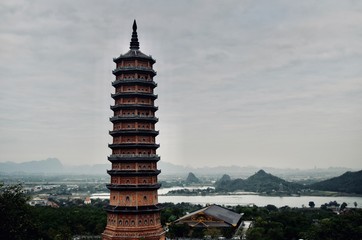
(247, 198)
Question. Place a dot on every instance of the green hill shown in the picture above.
(191, 178)
(349, 182)
(259, 182)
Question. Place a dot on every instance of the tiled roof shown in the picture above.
(216, 211)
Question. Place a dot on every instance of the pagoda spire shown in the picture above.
(134, 44)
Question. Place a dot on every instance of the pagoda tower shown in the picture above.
(133, 212)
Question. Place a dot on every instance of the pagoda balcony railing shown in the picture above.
(132, 68)
(144, 94)
(132, 105)
(133, 186)
(129, 209)
(133, 117)
(134, 80)
(134, 131)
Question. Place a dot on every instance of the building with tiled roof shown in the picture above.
(212, 216)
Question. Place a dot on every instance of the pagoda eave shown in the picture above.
(131, 81)
(134, 69)
(134, 94)
(133, 132)
(115, 158)
(123, 57)
(133, 106)
(134, 173)
(133, 145)
(125, 118)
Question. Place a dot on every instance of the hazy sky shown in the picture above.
(261, 83)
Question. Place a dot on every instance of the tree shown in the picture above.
(179, 230)
(271, 207)
(343, 206)
(16, 221)
(311, 204)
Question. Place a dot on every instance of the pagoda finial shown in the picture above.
(134, 25)
(134, 44)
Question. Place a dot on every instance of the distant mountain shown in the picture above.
(50, 165)
(54, 166)
(349, 182)
(259, 182)
(191, 178)
(225, 178)
(170, 169)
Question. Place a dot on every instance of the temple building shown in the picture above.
(133, 211)
(212, 217)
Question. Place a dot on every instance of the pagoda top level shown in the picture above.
(134, 47)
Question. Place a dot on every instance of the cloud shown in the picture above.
(270, 83)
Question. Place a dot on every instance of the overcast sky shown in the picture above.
(249, 83)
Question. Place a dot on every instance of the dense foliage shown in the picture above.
(16, 217)
(271, 223)
(20, 221)
(64, 222)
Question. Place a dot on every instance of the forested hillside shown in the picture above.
(349, 182)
